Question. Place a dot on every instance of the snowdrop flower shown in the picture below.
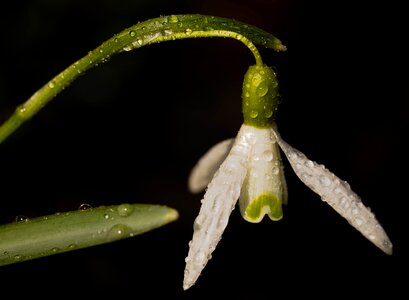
(249, 168)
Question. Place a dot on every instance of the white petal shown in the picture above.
(218, 202)
(264, 189)
(208, 164)
(337, 194)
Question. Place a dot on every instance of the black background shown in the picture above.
(130, 131)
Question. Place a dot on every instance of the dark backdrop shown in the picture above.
(130, 131)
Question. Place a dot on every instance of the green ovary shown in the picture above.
(260, 97)
(265, 203)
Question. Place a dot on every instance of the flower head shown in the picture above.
(249, 168)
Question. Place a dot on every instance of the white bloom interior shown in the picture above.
(265, 173)
(337, 194)
(218, 202)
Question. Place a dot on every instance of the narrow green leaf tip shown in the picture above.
(62, 232)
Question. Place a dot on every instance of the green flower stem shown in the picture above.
(145, 33)
(61, 232)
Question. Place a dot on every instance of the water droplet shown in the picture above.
(128, 48)
(268, 112)
(293, 155)
(21, 218)
(132, 33)
(17, 257)
(325, 181)
(276, 170)
(250, 138)
(253, 114)
(72, 246)
(267, 155)
(84, 206)
(247, 94)
(173, 19)
(22, 109)
(199, 257)
(275, 83)
(223, 221)
(106, 216)
(196, 225)
(124, 210)
(51, 85)
(309, 163)
(256, 158)
(262, 90)
(54, 250)
(119, 231)
(387, 243)
(358, 221)
(188, 31)
(254, 175)
(116, 40)
(344, 202)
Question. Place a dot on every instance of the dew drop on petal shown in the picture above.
(358, 221)
(267, 155)
(325, 181)
(309, 163)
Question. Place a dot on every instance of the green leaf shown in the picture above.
(61, 232)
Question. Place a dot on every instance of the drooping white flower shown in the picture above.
(249, 168)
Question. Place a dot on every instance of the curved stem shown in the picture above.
(151, 31)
